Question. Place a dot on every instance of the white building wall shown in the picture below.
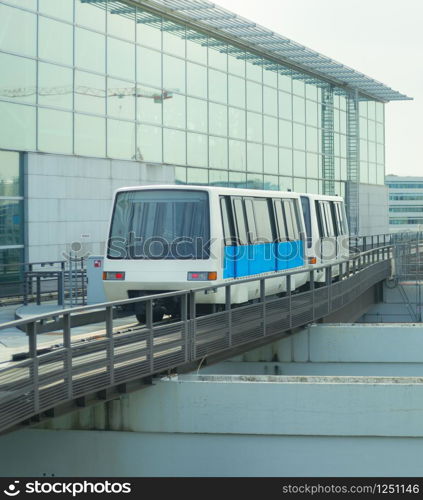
(69, 200)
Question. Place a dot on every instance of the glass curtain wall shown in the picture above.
(107, 79)
(11, 217)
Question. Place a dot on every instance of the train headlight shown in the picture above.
(113, 276)
(202, 276)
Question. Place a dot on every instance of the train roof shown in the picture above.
(227, 191)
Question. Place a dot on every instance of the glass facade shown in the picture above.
(11, 216)
(405, 202)
(106, 79)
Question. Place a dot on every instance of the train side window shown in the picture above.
(291, 220)
(305, 205)
(228, 229)
(264, 225)
(251, 223)
(329, 220)
(341, 218)
(280, 220)
(241, 229)
(319, 219)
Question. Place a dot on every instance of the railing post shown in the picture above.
(193, 323)
(60, 288)
(150, 338)
(31, 330)
(312, 287)
(329, 286)
(263, 302)
(68, 354)
(185, 321)
(38, 290)
(110, 345)
(228, 309)
(288, 293)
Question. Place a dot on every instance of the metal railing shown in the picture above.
(33, 386)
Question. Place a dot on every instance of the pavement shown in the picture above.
(14, 340)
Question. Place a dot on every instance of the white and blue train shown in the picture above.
(169, 238)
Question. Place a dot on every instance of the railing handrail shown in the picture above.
(233, 281)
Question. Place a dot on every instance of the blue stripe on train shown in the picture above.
(249, 260)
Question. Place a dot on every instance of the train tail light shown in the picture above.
(312, 260)
(202, 276)
(113, 276)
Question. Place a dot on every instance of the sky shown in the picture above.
(381, 38)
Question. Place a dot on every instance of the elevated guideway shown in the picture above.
(71, 375)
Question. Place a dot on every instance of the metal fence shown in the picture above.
(71, 372)
(64, 280)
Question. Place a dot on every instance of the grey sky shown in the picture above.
(381, 38)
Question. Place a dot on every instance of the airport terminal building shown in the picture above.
(101, 94)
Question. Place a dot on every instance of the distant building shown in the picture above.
(405, 203)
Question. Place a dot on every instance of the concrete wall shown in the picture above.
(69, 200)
(326, 415)
(374, 213)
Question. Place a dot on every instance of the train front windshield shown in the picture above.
(160, 224)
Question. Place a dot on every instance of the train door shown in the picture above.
(341, 229)
(327, 231)
(241, 233)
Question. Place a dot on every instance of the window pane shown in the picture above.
(299, 164)
(149, 29)
(173, 38)
(173, 74)
(237, 160)
(262, 213)
(299, 136)
(90, 95)
(55, 41)
(197, 80)
(149, 142)
(270, 182)
(149, 67)
(91, 15)
(236, 91)
(218, 178)
(90, 135)
(218, 86)
(197, 115)
(270, 130)
(254, 97)
(174, 147)
(18, 31)
(55, 86)
(10, 270)
(197, 176)
(62, 9)
(17, 78)
(54, 131)
(197, 150)
(120, 99)
(10, 222)
(285, 105)
(285, 133)
(254, 157)
(218, 54)
(236, 62)
(149, 105)
(285, 161)
(254, 71)
(196, 51)
(218, 121)
(270, 77)
(254, 127)
(89, 50)
(120, 139)
(236, 123)
(121, 24)
(218, 155)
(9, 174)
(120, 59)
(174, 111)
(270, 160)
(270, 97)
(17, 126)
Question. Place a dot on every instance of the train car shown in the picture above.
(327, 231)
(168, 238)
